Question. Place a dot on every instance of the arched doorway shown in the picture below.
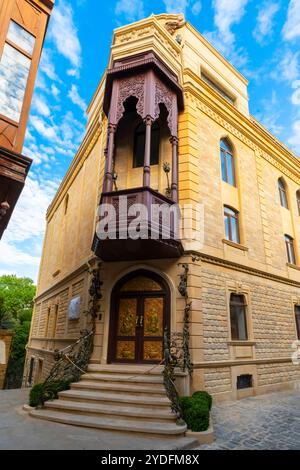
(140, 311)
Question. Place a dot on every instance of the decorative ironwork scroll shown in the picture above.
(170, 362)
(72, 361)
(183, 290)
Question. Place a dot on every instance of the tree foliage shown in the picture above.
(16, 302)
(17, 294)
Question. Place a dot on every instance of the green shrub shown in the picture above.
(40, 393)
(197, 417)
(195, 410)
(203, 396)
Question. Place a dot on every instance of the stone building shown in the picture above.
(5, 343)
(168, 97)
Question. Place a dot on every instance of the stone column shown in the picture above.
(146, 176)
(109, 154)
(174, 185)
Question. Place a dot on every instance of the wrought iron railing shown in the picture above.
(171, 360)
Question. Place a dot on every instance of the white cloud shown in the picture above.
(74, 96)
(47, 66)
(55, 91)
(16, 256)
(265, 21)
(176, 6)
(288, 67)
(295, 98)
(64, 33)
(291, 28)
(40, 105)
(196, 8)
(28, 219)
(48, 132)
(131, 10)
(294, 140)
(27, 225)
(73, 73)
(228, 13)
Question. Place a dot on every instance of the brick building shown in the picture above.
(169, 97)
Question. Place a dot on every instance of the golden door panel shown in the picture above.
(140, 284)
(125, 350)
(153, 350)
(127, 317)
(153, 317)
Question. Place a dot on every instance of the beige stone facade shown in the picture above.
(255, 268)
(5, 343)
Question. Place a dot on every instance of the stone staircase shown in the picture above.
(116, 397)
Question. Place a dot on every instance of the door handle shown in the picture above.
(141, 320)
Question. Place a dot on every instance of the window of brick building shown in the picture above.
(298, 200)
(244, 381)
(231, 223)
(297, 318)
(290, 251)
(227, 162)
(282, 193)
(238, 317)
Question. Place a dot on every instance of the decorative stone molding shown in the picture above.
(201, 106)
(240, 268)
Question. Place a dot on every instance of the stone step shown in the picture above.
(142, 369)
(122, 378)
(112, 423)
(118, 388)
(110, 410)
(128, 399)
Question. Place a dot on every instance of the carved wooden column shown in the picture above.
(146, 176)
(109, 154)
(174, 185)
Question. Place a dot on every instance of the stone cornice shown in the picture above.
(241, 268)
(243, 127)
(240, 362)
(83, 267)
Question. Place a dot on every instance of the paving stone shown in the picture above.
(263, 422)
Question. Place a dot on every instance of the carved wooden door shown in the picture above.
(139, 317)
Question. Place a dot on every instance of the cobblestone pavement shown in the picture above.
(269, 421)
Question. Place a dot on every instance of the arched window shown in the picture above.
(290, 251)
(282, 193)
(139, 145)
(238, 318)
(231, 222)
(298, 200)
(227, 162)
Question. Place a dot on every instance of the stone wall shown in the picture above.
(5, 343)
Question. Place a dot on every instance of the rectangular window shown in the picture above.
(20, 37)
(244, 381)
(289, 243)
(217, 88)
(231, 225)
(238, 320)
(15, 64)
(297, 318)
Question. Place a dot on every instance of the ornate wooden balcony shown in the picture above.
(159, 238)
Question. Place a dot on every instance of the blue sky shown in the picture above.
(260, 37)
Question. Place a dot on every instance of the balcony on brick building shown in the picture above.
(142, 101)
